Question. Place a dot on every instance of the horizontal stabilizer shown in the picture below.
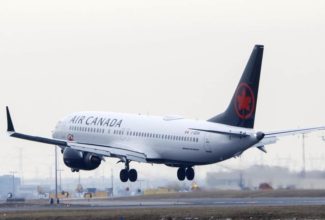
(262, 148)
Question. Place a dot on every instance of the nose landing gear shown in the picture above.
(183, 172)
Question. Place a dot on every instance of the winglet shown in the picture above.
(10, 126)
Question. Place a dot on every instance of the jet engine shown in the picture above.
(79, 160)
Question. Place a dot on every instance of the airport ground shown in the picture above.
(198, 213)
(279, 204)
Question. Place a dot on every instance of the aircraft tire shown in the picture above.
(124, 175)
(190, 173)
(181, 173)
(133, 175)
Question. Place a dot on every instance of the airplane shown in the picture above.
(86, 138)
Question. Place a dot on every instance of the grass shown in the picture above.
(204, 213)
(44, 211)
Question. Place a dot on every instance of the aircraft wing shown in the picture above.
(293, 131)
(119, 151)
(273, 136)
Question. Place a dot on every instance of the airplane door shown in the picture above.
(207, 144)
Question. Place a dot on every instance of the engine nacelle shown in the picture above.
(80, 160)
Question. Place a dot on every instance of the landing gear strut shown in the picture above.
(128, 174)
(183, 172)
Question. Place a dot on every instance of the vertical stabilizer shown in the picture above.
(242, 108)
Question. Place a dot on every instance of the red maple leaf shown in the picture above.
(244, 101)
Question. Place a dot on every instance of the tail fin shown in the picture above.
(242, 108)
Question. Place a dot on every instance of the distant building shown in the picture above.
(8, 184)
(277, 177)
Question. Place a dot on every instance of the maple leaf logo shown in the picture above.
(245, 101)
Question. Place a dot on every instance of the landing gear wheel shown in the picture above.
(124, 175)
(133, 175)
(190, 173)
(181, 173)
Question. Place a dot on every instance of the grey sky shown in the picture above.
(159, 57)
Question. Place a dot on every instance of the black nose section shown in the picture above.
(260, 135)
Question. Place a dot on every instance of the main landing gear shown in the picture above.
(183, 172)
(128, 174)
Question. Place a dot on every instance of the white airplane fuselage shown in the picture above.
(171, 140)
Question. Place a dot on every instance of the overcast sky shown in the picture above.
(159, 57)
